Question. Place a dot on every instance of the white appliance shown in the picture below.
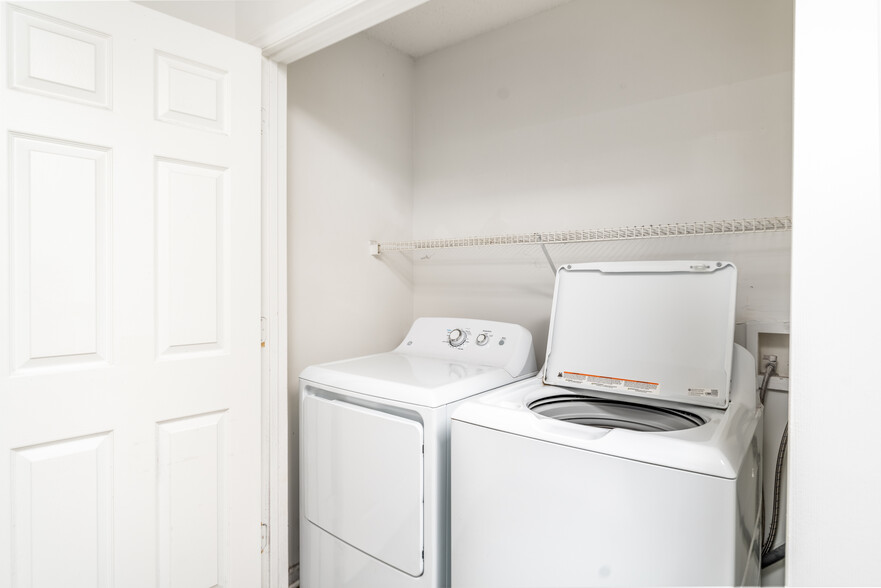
(374, 451)
(633, 459)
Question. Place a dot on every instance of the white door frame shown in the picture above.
(274, 397)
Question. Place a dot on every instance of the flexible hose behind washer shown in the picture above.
(778, 477)
(770, 370)
(763, 390)
(774, 556)
(780, 552)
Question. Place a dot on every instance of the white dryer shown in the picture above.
(374, 451)
(633, 459)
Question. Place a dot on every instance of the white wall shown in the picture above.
(255, 17)
(604, 114)
(349, 180)
(215, 15)
(835, 482)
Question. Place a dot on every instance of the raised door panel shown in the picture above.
(60, 252)
(62, 505)
(56, 58)
(191, 257)
(191, 94)
(192, 502)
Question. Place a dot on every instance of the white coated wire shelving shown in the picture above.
(692, 229)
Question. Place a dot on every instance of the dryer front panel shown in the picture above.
(363, 475)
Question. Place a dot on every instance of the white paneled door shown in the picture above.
(129, 301)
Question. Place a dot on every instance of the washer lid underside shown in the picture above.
(614, 414)
(660, 330)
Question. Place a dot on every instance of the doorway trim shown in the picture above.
(274, 338)
(316, 25)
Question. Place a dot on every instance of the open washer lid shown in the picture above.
(659, 329)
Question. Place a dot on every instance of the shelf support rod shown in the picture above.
(544, 250)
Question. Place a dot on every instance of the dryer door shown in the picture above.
(363, 479)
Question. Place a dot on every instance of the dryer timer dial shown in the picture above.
(457, 337)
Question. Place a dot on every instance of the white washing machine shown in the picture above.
(374, 451)
(633, 459)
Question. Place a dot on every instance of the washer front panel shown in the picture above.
(543, 515)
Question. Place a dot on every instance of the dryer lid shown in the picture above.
(657, 329)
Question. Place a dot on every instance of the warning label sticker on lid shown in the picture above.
(704, 392)
(612, 384)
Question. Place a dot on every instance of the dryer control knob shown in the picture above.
(481, 339)
(457, 337)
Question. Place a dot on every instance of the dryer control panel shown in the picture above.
(479, 342)
(460, 335)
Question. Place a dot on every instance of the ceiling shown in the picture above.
(441, 23)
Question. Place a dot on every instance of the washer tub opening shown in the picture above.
(614, 414)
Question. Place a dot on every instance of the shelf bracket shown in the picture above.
(544, 250)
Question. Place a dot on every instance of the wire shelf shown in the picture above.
(693, 229)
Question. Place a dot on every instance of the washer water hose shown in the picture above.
(778, 475)
(772, 556)
(770, 370)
